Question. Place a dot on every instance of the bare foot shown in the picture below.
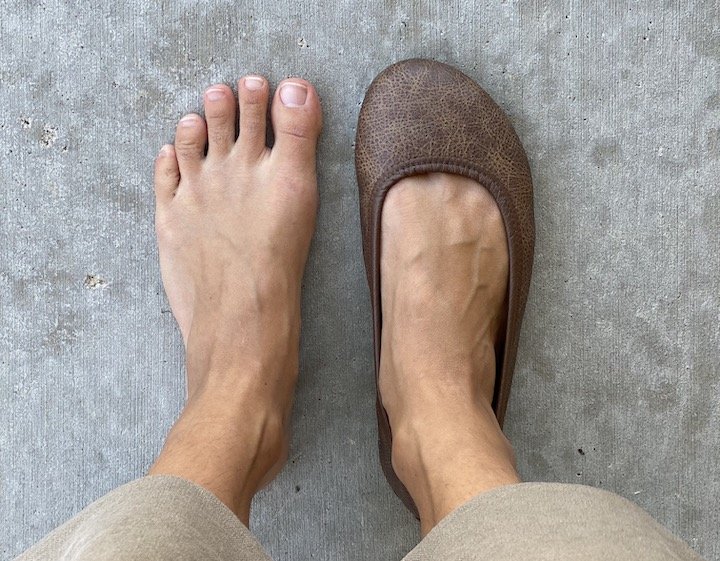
(444, 274)
(234, 229)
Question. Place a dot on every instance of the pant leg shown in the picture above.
(553, 522)
(153, 518)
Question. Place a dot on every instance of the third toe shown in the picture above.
(220, 113)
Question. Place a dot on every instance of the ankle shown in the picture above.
(414, 384)
(436, 434)
(444, 459)
(230, 448)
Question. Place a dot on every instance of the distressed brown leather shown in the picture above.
(421, 116)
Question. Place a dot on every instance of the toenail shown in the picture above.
(165, 151)
(254, 83)
(188, 121)
(293, 94)
(215, 94)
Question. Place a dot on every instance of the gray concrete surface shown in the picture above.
(617, 385)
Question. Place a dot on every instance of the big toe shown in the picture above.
(297, 121)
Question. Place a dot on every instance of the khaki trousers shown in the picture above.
(168, 518)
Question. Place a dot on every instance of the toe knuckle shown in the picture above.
(297, 130)
(254, 99)
(217, 114)
(186, 147)
(169, 173)
(252, 127)
(219, 137)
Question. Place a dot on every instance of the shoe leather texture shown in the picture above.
(421, 116)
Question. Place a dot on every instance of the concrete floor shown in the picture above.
(617, 384)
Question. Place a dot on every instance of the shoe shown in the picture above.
(421, 116)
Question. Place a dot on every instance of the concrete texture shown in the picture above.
(617, 384)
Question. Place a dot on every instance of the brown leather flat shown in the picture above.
(421, 116)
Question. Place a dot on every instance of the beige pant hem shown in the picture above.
(168, 518)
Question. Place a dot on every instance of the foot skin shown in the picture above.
(444, 275)
(234, 221)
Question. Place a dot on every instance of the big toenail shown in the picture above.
(253, 83)
(292, 94)
(188, 121)
(215, 94)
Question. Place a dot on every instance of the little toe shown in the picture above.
(190, 142)
(253, 99)
(167, 174)
(297, 120)
(221, 120)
